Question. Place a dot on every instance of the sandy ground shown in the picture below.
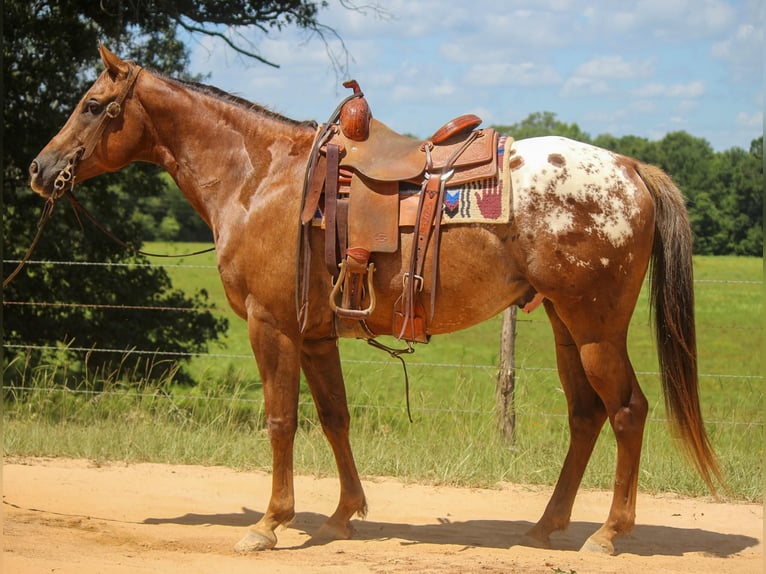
(74, 516)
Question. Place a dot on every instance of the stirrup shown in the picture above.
(358, 314)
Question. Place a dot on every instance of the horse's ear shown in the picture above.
(115, 65)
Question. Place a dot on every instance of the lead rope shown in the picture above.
(80, 208)
(63, 179)
(397, 354)
(44, 218)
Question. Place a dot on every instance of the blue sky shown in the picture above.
(643, 68)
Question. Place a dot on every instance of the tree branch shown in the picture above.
(234, 46)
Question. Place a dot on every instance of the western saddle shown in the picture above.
(353, 178)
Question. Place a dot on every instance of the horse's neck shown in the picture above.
(221, 154)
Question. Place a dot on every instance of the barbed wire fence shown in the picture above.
(490, 369)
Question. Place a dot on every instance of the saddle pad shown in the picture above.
(483, 201)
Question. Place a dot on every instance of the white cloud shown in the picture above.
(578, 86)
(672, 20)
(747, 120)
(408, 91)
(591, 78)
(742, 51)
(614, 67)
(693, 89)
(526, 74)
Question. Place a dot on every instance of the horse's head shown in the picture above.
(101, 135)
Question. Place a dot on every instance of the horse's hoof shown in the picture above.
(596, 547)
(332, 531)
(534, 542)
(255, 542)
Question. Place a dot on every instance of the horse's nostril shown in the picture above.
(33, 168)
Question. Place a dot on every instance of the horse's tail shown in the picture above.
(672, 301)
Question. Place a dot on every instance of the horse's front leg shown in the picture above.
(320, 360)
(278, 357)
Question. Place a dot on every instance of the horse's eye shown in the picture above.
(93, 107)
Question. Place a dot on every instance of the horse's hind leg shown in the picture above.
(610, 373)
(586, 417)
(321, 365)
(603, 357)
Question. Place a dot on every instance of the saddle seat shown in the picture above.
(387, 155)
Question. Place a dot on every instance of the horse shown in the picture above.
(587, 225)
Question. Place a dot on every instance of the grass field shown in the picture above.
(453, 439)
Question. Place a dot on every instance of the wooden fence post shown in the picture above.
(506, 377)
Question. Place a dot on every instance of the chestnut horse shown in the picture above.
(587, 223)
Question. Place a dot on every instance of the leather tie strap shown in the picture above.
(331, 199)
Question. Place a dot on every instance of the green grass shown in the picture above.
(453, 439)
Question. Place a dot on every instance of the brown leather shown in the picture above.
(477, 161)
(386, 155)
(315, 187)
(353, 287)
(409, 313)
(413, 327)
(330, 203)
(389, 156)
(373, 219)
(460, 124)
(364, 163)
(355, 115)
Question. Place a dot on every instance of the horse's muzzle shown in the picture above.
(36, 180)
(52, 177)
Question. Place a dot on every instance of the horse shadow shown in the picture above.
(645, 540)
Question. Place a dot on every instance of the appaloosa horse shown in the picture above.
(587, 223)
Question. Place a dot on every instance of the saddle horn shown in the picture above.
(355, 115)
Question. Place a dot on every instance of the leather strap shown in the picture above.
(429, 207)
(413, 282)
(425, 223)
(314, 189)
(112, 110)
(330, 205)
(341, 223)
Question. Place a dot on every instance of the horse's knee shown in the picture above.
(281, 427)
(334, 420)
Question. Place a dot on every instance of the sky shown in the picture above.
(644, 68)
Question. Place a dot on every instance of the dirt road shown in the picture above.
(73, 516)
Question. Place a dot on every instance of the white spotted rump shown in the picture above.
(552, 175)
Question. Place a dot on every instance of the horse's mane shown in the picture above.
(236, 100)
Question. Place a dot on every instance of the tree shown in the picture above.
(543, 124)
(632, 146)
(738, 185)
(50, 57)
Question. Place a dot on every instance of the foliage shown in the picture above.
(724, 189)
(50, 57)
